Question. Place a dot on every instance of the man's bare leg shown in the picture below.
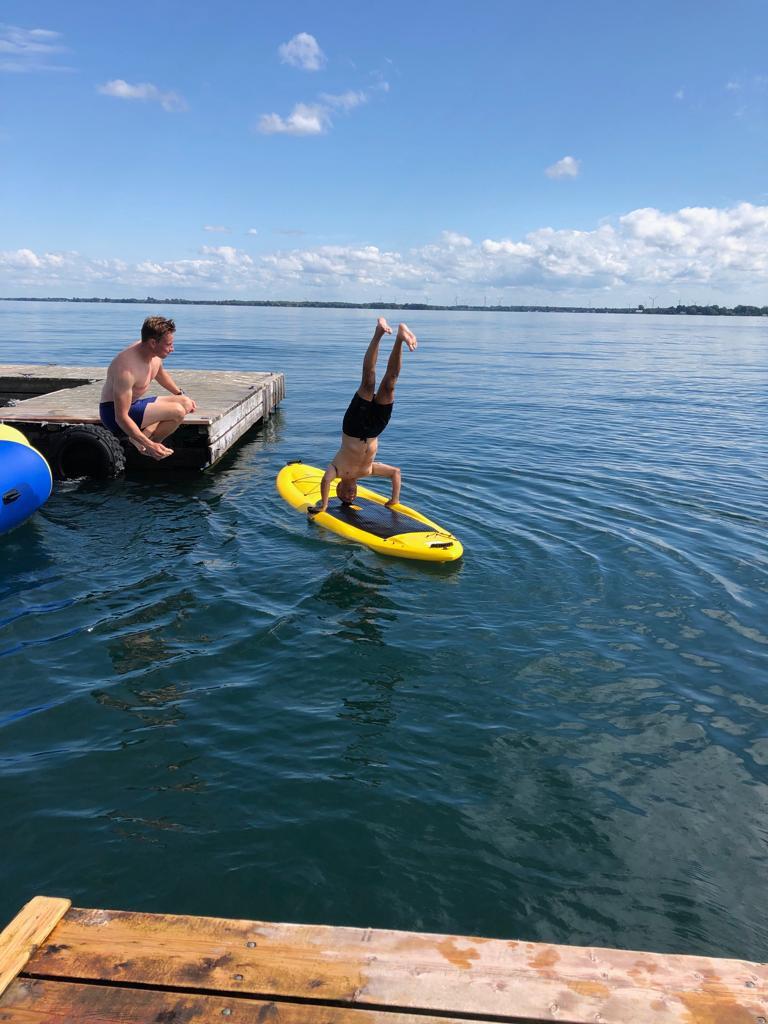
(164, 429)
(386, 393)
(368, 383)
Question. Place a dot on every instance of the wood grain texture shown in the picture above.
(30, 1001)
(31, 926)
(443, 974)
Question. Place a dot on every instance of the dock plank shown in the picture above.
(398, 971)
(229, 402)
(31, 926)
(216, 393)
(32, 1001)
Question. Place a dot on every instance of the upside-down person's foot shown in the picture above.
(403, 334)
(383, 326)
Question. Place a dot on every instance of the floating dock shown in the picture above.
(62, 964)
(42, 401)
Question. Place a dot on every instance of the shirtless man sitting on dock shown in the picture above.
(367, 416)
(145, 422)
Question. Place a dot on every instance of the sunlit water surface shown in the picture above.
(208, 705)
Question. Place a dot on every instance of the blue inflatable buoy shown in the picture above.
(25, 478)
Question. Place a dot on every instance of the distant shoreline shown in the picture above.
(679, 310)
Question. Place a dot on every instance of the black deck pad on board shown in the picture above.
(376, 519)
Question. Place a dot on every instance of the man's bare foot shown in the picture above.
(403, 334)
(152, 452)
(383, 326)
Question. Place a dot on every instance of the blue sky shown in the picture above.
(499, 151)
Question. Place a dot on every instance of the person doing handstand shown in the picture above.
(366, 417)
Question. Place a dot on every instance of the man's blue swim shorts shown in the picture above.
(136, 412)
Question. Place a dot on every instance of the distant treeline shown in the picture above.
(713, 310)
(679, 310)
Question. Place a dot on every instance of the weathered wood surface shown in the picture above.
(228, 403)
(31, 926)
(33, 379)
(216, 393)
(389, 971)
(33, 1001)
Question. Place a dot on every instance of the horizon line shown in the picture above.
(709, 309)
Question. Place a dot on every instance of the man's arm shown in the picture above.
(325, 490)
(393, 473)
(122, 391)
(165, 380)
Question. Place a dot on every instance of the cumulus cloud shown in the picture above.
(304, 119)
(723, 251)
(568, 167)
(169, 101)
(252, 231)
(313, 118)
(302, 52)
(229, 254)
(215, 228)
(30, 49)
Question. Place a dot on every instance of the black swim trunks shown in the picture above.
(364, 419)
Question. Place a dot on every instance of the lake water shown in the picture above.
(209, 705)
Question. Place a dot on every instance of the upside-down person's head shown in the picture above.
(346, 491)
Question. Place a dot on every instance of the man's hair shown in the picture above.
(154, 327)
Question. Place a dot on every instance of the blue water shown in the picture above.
(209, 705)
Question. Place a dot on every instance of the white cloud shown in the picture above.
(568, 167)
(680, 94)
(313, 118)
(30, 49)
(169, 101)
(231, 256)
(252, 231)
(346, 101)
(304, 119)
(302, 52)
(721, 252)
(215, 228)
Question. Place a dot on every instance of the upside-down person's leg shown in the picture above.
(368, 382)
(386, 393)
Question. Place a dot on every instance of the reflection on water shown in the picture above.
(360, 595)
(152, 707)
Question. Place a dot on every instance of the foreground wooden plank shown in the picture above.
(57, 1002)
(31, 926)
(444, 974)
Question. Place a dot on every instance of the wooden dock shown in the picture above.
(46, 400)
(62, 964)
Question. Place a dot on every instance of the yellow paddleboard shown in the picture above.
(398, 531)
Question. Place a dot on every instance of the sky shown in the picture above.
(505, 151)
